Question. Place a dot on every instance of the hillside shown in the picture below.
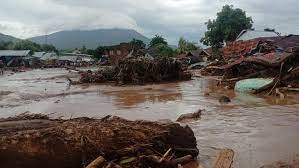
(89, 38)
(7, 38)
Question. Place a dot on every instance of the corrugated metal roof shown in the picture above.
(49, 56)
(253, 34)
(14, 53)
(287, 41)
(68, 58)
(39, 54)
(75, 54)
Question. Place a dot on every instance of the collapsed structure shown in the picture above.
(139, 70)
(263, 59)
(36, 141)
(18, 58)
(14, 57)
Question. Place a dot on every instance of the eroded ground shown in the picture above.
(261, 130)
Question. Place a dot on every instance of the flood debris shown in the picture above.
(277, 59)
(140, 70)
(84, 142)
(224, 159)
(26, 116)
(294, 163)
(224, 100)
(190, 117)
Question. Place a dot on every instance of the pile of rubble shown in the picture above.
(84, 142)
(267, 66)
(139, 70)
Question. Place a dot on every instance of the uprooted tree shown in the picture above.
(226, 27)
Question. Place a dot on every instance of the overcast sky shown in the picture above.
(170, 18)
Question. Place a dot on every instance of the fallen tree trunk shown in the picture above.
(76, 143)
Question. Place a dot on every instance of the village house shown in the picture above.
(14, 57)
(46, 56)
(75, 59)
(49, 59)
(118, 52)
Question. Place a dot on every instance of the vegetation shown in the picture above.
(6, 45)
(157, 40)
(185, 46)
(48, 48)
(83, 50)
(165, 50)
(98, 52)
(138, 43)
(226, 27)
(162, 47)
(27, 45)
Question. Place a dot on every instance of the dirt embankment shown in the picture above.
(35, 141)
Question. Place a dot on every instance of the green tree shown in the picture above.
(98, 52)
(157, 40)
(164, 50)
(138, 43)
(226, 27)
(83, 50)
(27, 45)
(185, 46)
(48, 48)
(6, 45)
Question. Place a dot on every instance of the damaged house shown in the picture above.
(247, 41)
(260, 63)
(119, 52)
(75, 59)
(49, 59)
(12, 58)
(127, 50)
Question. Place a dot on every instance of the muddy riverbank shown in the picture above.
(259, 129)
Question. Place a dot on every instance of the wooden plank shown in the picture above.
(98, 162)
(224, 159)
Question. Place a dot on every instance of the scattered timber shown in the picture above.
(224, 159)
(31, 141)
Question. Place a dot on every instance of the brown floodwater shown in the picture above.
(259, 129)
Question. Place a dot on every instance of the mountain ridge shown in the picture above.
(70, 39)
(7, 38)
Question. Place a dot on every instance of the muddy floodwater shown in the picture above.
(259, 129)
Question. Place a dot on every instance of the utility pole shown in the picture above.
(46, 37)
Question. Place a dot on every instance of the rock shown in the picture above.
(206, 94)
(224, 99)
(190, 116)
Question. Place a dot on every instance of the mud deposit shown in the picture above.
(260, 130)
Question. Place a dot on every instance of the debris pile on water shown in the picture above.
(139, 70)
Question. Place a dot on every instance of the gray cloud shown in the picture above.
(170, 18)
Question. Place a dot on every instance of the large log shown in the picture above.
(76, 143)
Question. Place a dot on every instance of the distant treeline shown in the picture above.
(27, 45)
(158, 43)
